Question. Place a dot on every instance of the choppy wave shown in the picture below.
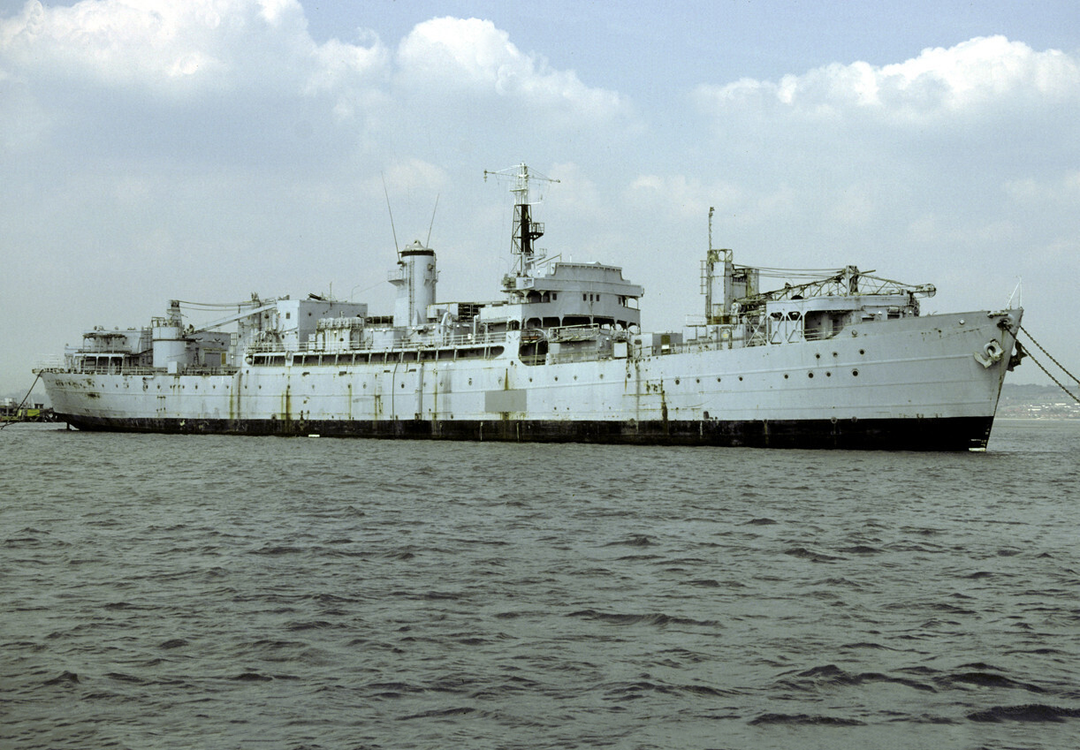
(219, 592)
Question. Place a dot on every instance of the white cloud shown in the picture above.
(972, 75)
(178, 49)
(256, 58)
(413, 174)
(175, 137)
(685, 198)
(926, 160)
(1062, 191)
(455, 56)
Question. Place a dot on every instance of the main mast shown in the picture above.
(525, 231)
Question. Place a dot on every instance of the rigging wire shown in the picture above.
(797, 271)
(23, 402)
(219, 305)
(391, 212)
(430, 226)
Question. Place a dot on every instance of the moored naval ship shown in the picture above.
(844, 360)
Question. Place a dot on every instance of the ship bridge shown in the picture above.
(568, 294)
(571, 294)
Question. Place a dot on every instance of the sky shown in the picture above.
(206, 150)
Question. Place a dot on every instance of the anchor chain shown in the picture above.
(1039, 364)
(1048, 354)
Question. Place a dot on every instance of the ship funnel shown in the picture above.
(169, 343)
(415, 279)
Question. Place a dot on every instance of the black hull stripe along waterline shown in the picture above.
(950, 434)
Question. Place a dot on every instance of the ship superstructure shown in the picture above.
(841, 360)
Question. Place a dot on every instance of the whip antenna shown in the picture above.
(428, 243)
(389, 211)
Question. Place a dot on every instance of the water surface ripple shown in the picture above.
(226, 592)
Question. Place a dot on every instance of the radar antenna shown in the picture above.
(526, 231)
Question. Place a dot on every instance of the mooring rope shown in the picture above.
(23, 402)
(1040, 366)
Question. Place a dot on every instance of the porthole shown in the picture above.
(855, 373)
(676, 381)
(828, 374)
(785, 376)
(809, 374)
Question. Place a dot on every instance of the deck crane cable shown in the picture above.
(218, 305)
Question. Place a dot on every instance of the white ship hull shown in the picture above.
(843, 360)
(916, 383)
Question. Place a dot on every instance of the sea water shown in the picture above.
(240, 592)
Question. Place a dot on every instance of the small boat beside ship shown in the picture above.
(844, 360)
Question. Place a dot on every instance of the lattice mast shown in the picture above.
(525, 231)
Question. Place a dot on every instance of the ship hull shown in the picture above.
(920, 434)
(920, 383)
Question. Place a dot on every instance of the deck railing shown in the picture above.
(752, 333)
(435, 342)
(63, 364)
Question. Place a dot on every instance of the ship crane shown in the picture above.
(847, 281)
(526, 231)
